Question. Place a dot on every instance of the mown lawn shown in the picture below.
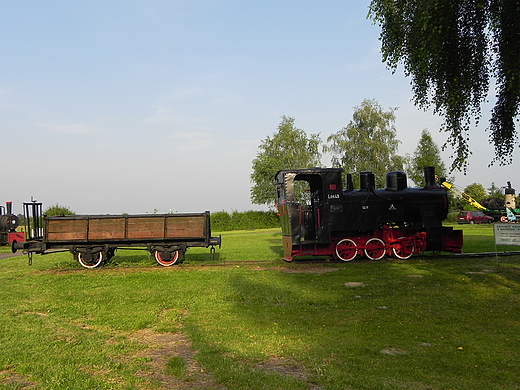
(432, 322)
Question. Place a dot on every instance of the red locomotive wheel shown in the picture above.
(346, 249)
(90, 260)
(403, 248)
(375, 249)
(166, 258)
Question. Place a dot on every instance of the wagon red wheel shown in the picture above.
(166, 258)
(90, 260)
(346, 249)
(375, 249)
(403, 248)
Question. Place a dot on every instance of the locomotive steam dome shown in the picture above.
(396, 181)
(367, 180)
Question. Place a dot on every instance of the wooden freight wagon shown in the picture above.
(93, 239)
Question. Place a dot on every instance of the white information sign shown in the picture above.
(507, 233)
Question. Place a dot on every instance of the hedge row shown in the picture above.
(245, 220)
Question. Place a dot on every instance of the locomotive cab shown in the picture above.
(308, 200)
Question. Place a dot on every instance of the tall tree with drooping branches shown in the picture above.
(452, 50)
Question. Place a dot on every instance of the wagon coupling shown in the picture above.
(214, 241)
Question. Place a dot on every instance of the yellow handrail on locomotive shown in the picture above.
(463, 195)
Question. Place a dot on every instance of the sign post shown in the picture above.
(506, 234)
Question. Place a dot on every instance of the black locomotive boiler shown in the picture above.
(320, 218)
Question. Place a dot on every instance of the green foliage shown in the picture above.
(427, 154)
(288, 148)
(367, 143)
(476, 191)
(222, 221)
(450, 49)
(492, 198)
(57, 210)
(494, 191)
(452, 215)
(495, 198)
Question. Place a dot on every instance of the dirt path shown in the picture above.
(162, 347)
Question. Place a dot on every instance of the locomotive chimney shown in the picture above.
(429, 176)
(348, 183)
(9, 207)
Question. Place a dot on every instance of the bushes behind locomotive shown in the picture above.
(452, 216)
(244, 220)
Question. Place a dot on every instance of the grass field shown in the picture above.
(247, 320)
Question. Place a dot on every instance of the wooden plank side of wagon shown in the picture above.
(84, 228)
(111, 228)
(192, 226)
(66, 229)
(145, 228)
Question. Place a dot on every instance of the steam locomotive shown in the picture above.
(8, 224)
(328, 221)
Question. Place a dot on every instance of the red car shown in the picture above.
(472, 217)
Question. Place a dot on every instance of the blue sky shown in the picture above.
(130, 106)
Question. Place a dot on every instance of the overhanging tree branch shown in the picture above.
(450, 49)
